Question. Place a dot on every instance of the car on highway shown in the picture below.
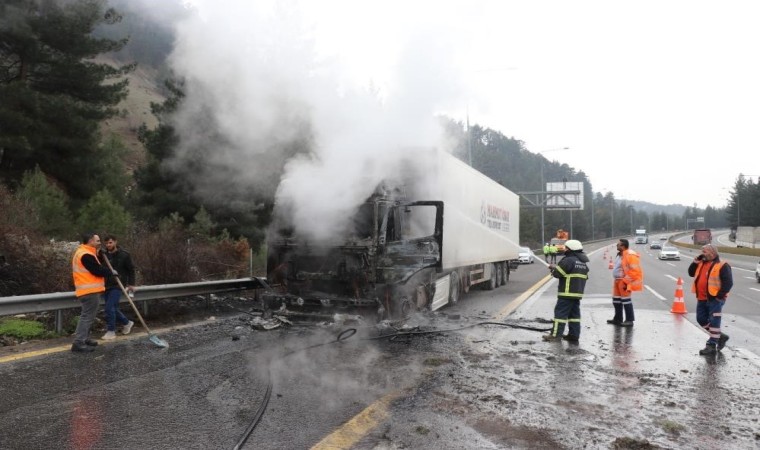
(757, 272)
(525, 256)
(655, 246)
(669, 252)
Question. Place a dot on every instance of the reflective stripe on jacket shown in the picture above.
(572, 273)
(632, 274)
(713, 278)
(84, 281)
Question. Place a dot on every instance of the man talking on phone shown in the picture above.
(713, 280)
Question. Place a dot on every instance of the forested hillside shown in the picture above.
(87, 137)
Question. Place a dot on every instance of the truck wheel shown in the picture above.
(507, 270)
(491, 283)
(453, 288)
(404, 308)
(499, 275)
(465, 281)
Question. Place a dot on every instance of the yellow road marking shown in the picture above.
(32, 354)
(355, 429)
(511, 307)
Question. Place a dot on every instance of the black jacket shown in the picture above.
(122, 263)
(572, 272)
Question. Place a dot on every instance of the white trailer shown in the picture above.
(432, 230)
(748, 237)
(481, 224)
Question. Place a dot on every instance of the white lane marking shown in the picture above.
(751, 357)
(655, 293)
(742, 268)
(671, 277)
(755, 289)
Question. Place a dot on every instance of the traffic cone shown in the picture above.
(610, 264)
(679, 307)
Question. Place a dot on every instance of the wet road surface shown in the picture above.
(482, 387)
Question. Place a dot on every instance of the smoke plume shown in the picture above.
(272, 109)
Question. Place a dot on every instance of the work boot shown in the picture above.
(709, 350)
(81, 348)
(91, 342)
(722, 341)
(109, 335)
(614, 322)
(627, 323)
(551, 338)
(126, 329)
(570, 338)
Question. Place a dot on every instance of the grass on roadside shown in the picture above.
(24, 329)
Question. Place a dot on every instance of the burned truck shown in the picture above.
(419, 241)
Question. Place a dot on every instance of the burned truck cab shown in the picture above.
(386, 261)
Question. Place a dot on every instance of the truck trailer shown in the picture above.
(702, 236)
(424, 237)
(748, 237)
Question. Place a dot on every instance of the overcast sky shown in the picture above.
(657, 100)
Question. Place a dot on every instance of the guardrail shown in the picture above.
(59, 301)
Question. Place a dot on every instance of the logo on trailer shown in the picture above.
(494, 217)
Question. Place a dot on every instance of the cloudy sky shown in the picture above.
(656, 100)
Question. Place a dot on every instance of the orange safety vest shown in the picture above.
(632, 274)
(713, 278)
(84, 281)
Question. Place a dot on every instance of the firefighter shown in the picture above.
(572, 272)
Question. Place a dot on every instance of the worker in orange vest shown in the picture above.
(713, 279)
(628, 277)
(89, 286)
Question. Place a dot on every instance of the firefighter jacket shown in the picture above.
(88, 273)
(572, 273)
(631, 267)
(720, 280)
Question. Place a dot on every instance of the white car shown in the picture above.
(669, 252)
(757, 272)
(525, 256)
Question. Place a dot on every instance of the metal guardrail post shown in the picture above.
(59, 321)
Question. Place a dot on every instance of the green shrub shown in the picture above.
(23, 329)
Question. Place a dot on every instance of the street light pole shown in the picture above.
(592, 216)
(612, 217)
(543, 191)
(631, 209)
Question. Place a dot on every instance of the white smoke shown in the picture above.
(265, 107)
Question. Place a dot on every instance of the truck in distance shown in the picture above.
(418, 242)
(748, 237)
(702, 236)
(641, 237)
(559, 240)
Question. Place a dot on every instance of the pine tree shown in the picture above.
(53, 94)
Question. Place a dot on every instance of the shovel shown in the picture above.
(153, 338)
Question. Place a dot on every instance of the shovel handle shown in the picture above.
(124, 290)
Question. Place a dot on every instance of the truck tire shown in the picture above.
(499, 274)
(454, 287)
(490, 285)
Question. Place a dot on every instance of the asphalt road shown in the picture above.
(466, 385)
